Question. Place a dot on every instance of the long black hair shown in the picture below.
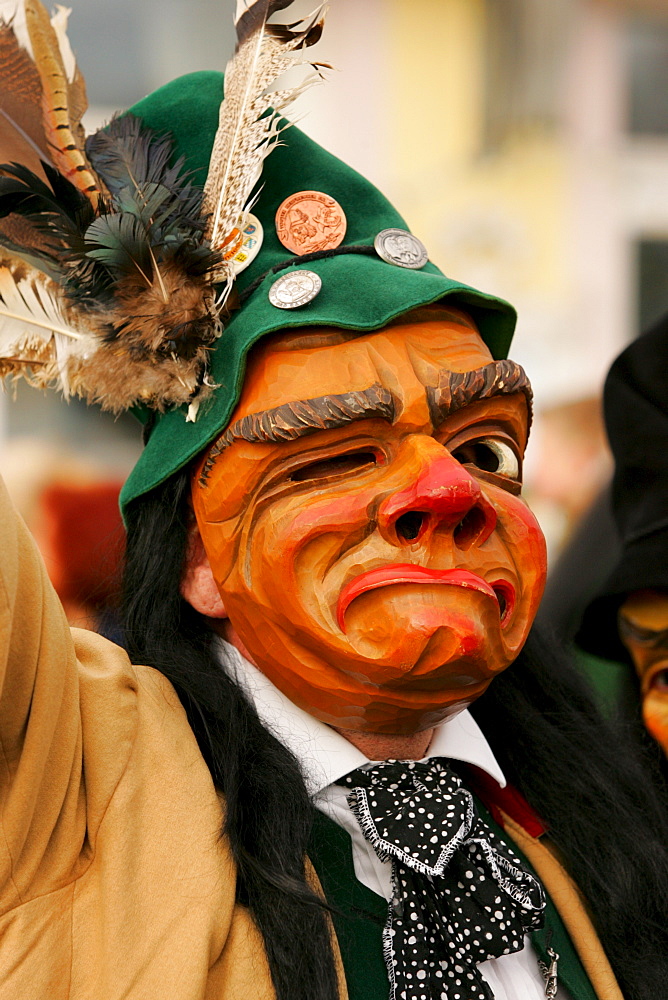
(586, 777)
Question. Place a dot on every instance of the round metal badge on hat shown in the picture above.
(310, 222)
(295, 289)
(398, 246)
(251, 241)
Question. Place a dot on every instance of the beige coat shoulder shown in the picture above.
(114, 879)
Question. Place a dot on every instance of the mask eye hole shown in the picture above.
(490, 455)
(337, 465)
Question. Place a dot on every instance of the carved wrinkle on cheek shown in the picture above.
(521, 533)
(343, 511)
(522, 551)
(278, 535)
(325, 539)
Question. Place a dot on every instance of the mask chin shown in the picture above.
(411, 632)
(357, 694)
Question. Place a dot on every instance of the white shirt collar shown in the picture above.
(325, 755)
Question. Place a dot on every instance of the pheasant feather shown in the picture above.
(42, 94)
(62, 102)
(21, 125)
(251, 113)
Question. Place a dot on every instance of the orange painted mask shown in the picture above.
(643, 628)
(362, 520)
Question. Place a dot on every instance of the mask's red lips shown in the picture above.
(385, 576)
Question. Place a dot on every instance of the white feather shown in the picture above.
(244, 137)
(33, 327)
(59, 24)
(13, 12)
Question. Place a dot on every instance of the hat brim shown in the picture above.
(358, 293)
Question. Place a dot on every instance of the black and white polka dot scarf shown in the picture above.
(459, 894)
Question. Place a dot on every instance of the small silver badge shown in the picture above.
(295, 289)
(397, 246)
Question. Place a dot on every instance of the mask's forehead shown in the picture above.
(305, 364)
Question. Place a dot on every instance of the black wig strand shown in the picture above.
(589, 778)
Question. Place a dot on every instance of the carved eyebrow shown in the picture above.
(290, 421)
(458, 389)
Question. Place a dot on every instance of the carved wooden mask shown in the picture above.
(643, 628)
(362, 520)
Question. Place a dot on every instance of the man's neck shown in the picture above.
(380, 747)
(373, 745)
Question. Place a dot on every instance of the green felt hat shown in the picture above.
(359, 291)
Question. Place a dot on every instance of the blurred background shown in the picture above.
(525, 143)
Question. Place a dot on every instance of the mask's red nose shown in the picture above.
(444, 495)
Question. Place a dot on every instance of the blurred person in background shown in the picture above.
(627, 621)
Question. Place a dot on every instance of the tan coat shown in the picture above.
(114, 880)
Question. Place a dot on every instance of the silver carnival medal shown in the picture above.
(295, 289)
(399, 247)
